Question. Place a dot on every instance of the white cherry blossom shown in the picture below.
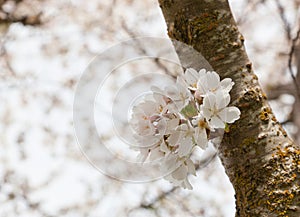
(150, 118)
(178, 95)
(210, 82)
(181, 139)
(171, 122)
(190, 78)
(155, 152)
(215, 111)
(179, 177)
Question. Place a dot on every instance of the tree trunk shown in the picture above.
(263, 164)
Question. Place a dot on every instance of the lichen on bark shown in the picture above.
(259, 158)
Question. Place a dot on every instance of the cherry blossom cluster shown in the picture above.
(170, 123)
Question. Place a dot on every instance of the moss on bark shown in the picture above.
(260, 160)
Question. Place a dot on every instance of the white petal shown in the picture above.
(174, 138)
(227, 84)
(202, 72)
(145, 128)
(213, 80)
(172, 108)
(156, 154)
(171, 91)
(162, 126)
(148, 107)
(186, 184)
(230, 114)
(216, 122)
(191, 76)
(169, 164)
(143, 155)
(206, 112)
(222, 99)
(169, 178)
(171, 125)
(201, 137)
(202, 86)
(195, 120)
(209, 101)
(183, 127)
(180, 173)
(185, 147)
(193, 72)
(159, 101)
(191, 166)
(146, 141)
(156, 89)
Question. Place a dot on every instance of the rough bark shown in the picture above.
(262, 163)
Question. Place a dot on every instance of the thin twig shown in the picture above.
(291, 54)
(157, 61)
(286, 24)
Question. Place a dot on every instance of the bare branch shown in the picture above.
(291, 54)
(142, 49)
(287, 26)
